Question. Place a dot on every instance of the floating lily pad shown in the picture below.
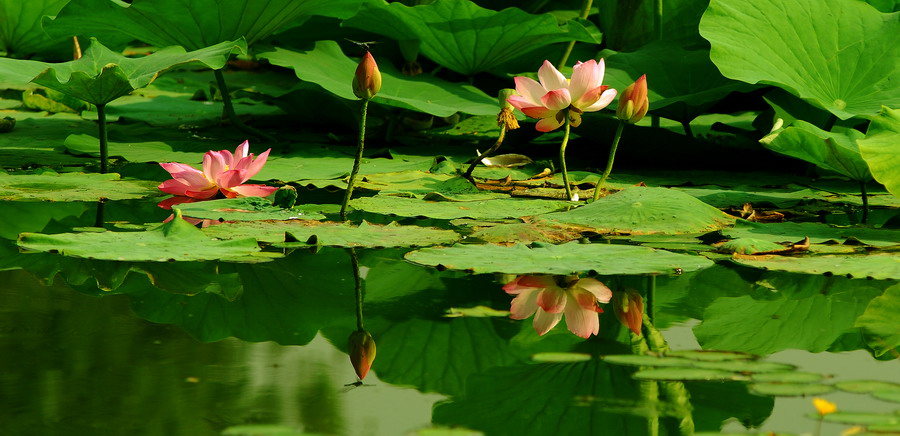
(876, 266)
(567, 258)
(867, 419)
(892, 396)
(315, 162)
(712, 355)
(806, 47)
(817, 233)
(646, 360)
(173, 241)
(561, 357)
(251, 209)
(447, 210)
(866, 386)
(687, 374)
(154, 151)
(367, 235)
(787, 377)
(430, 186)
(642, 210)
(749, 246)
(790, 389)
(51, 186)
(524, 233)
(736, 196)
(746, 366)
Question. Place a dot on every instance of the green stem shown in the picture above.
(357, 281)
(104, 146)
(98, 220)
(585, 11)
(651, 298)
(229, 110)
(658, 19)
(654, 121)
(609, 162)
(562, 158)
(865, 201)
(687, 129)
(490, 152)
(359, 155)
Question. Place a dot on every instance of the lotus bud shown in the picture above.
(367, 80)
(285, 197)
(506, 116)
(633, 103)
(629, 308)
(362, 352)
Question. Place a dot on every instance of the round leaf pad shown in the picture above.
(641, 211)
(567, 258)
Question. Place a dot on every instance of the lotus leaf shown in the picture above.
(881, 151)
(20, 26)
(880, 321)
(832, 151)
(603, 259)
(808, 48)
(877, 266)
(498, 208)
(51, 186)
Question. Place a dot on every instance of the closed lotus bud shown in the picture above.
(506, 117)
(629, 308)
(367, 80)
(362, 352)
(633, 103)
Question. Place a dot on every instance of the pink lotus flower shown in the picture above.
(555, 96)
(544, 298)
(222, 172)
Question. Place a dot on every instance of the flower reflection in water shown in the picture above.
(549, 297)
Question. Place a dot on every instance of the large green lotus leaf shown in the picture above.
(682, 83)
(817, 233)
(313, 162)
(464, 37)
(573, 257)
(328, 67)
(881, 322)
(173, 241)
(736, 196)
(877, 266)
(191, 24)
(839, 55)
(286, 301)
(427, 185)
(101, 76)
(643, 210)
(51, 186)
(832, 151)
(767, 326)
(250, 209)
(881, 149)
(17, 73)
(20, 26)
(153, 151)
(497, 208)
(369, 235)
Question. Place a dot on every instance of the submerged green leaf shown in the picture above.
(840, 55)
(603, 259)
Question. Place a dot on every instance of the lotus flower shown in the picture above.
(362, 352)
(222, 172)
(554, 96)
(544, 298)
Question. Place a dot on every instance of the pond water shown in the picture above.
(208, 348)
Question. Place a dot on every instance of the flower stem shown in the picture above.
(585, 11)
(865, 202)
(562, 159)
(104, 146)
(658, 19)
(609, 162)
(229, 110)
(357, 281)
(490, 152)
(359, 155)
